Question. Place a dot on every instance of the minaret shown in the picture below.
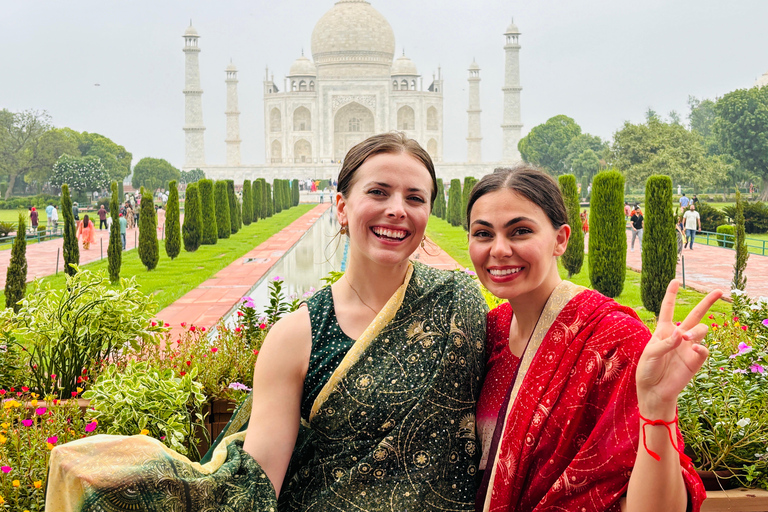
(511, 125)
(474, 138)
(233, 118)
(194, 147)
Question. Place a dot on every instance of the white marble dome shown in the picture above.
(353, 39)
(762, 81)
(191, 31)
(512, 29)
(302, 67)
(404, 66)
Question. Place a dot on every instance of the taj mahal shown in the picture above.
(353, 87)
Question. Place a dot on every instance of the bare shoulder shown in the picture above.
(289, 343)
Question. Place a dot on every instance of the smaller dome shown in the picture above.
(231, 67)
(762, 81)
(191, 31)
(474, 66)
(302, 67)
(404, 66)
(512, 28)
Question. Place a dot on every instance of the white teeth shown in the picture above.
(505, 272)
(390, 233)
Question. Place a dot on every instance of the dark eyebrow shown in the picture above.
(388, 186)
(509, 223)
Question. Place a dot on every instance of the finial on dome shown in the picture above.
(302, 52)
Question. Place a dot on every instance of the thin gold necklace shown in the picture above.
(358, 295)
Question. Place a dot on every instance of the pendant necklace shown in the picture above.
(358, 295)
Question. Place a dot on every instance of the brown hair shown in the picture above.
(392, 142)
(530, 182)
(86, 221)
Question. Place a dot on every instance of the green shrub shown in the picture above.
(149, 247)
(17, 203)
(257, 190)
(469, 182)
(454, 203)
(172, 222)
(740, 244)
(723, 238)
(755, 217)
(210, 226)
(269, 201)
(296, 193)
(247, 203)
(234, 219)
(607, 234)
(192, 230)
(659, 247)
(221, 200)
(115, 248)
(16, 274)
(438, 210)
(276, 201)
(573, 258)
(710, 217)
(6, 228)
(71, 251)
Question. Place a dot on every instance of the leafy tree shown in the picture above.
(573, 258)
(651, 115)
(53, 143)
(149, 247)
(586, 164)
(115, 248)
(21, 134)
(71, 251)
(741, 126)
(192, 231)
(607, 234)
(641, 151)
(742, 253)
(469, 183)
(153, 173)
(232, 201)
(81, 173)
(172, 222)
(659, 250)
(16, 274)
(546, 145)
(210, 226)
(454, 203)
(439, 208)
(702, 116)
(247, 203)
(192, 176)
(257, 190)
(114, 157)
(581, 143)
(221, 200)
(674, 118)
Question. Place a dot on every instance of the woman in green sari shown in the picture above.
(364, 400)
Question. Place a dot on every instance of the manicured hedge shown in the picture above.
(607, 234)
(454, 203)
(223, 220)
(659, 247)
(192, 230)
(210, 226)
(172, 222)
(726, 241)
(573, 258)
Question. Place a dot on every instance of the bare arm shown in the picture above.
(278, 383)
(671, 358)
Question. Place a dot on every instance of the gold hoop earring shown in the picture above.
(423, 242)
(343, 230)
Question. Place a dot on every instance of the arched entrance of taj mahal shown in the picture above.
(352, 123)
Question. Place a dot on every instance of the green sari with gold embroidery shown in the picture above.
(393, 428)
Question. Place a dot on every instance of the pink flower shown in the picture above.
(711, 317)
(27, 423)
(743, 349)
(238, 329)
(91, 426)
(739, 371)
(735, 319)
(277, 278)
(53, 376)
(743, 327)
(757, 368)
(24, 388)
(52, 440)
(6, 469)
(2, 392)
(765, 322)
(40, 411)
(214, 350)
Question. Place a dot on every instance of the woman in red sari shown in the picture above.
(571, 374)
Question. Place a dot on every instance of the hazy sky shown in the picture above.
(601, 62)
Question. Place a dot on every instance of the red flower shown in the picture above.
(202, 329)
(13, 390)
(74, 393)
(24, 388)
(255, 352)
(166, 324)
(262, 326)
(239, 313)
(182, 373)
(153, 324)
(711, 317)
(189, 363)
(192, 328)
(214, 350)
(53, 376)
(743, 327)
(2, 392)
(238, 329)
(183, 324)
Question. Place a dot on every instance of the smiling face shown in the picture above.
(387, 208)
(514, 246)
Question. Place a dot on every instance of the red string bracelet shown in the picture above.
(656, 423)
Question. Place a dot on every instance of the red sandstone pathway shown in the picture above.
(708, 268)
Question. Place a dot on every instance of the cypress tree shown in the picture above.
(573, 257)
(71, 251)
(257, 191)
(659, 247)
(232, 201)
(247, 203)
(269, 200)
(740, 244)
(120, 193)
(172, 222)
(296, 193)
(115, 248)
(209, 228)
(439, 208)
(192, 231)
(287, 201)
(469, 183)
(221, 200)
(607, 235)
(584, 187)
(454, 203)
(277, 203)
(16, 275)
(149, 247)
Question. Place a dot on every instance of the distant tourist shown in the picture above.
(684, 202)
(692, 221)
(75, 211)
(103, 217)
(86, 231)
(637, 223)
(33, 219)
(123, 228)
(53, 218)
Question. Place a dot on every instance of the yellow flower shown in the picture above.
(11, 403)
(38, 484)
(737, 324)
(2, 500)
(16, 483)
(5, 425)
(144, 432)
(49, 446)
(34, 403)
(79, 390)
(3, 439)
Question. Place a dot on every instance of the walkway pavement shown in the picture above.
(708, 268)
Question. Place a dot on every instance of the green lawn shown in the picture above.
(172, 279)
(453, 240)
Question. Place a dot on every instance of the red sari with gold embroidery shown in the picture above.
(567, 432)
